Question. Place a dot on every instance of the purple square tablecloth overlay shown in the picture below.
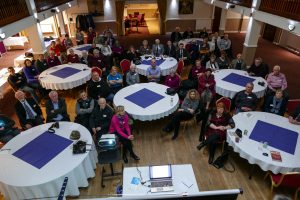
(148, 62)
(85, 48)
(65, 72)
(277, 137)
(144, 98)
(238, 79)
(42, 149)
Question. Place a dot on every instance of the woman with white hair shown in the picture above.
(132, 77)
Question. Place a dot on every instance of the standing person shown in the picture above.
(120, 127)
(90, 35)
(84, 108)
(219, 121)
(176, 36)
(185, 112)
(79, 37)
(206, 87)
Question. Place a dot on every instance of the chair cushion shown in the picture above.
(292, 181)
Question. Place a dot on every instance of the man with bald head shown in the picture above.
(28, 111)
(276, 80)
(100, 119)
(56, 108)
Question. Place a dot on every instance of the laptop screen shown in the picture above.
(160, 171)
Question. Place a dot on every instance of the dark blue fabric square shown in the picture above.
(65, 72)
(277, 137)
(238, 79)
(148, 62)
(144, 98)
(42, 149)
(86, 48)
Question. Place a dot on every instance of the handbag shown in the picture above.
(221, 160)
(171, 91)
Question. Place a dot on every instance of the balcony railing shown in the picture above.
(12, 11)
(42, 5)
(284, 8)
(245, 3)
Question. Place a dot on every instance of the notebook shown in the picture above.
(161, 178)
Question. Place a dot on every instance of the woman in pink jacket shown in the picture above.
(119, 126)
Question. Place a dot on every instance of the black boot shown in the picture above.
(210, 159)
(135, 157)
(125, 158)
(201, 145)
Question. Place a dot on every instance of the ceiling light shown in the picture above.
(291, 27)
(2, 35)
(69, 4)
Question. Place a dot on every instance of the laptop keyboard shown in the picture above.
(166, 183)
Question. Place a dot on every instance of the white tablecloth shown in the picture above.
(76, 51)
(186, 41)
(160, 109)
(166, 66)
(227, 89)
(253, 151)
(52, 82)
(20, 180)
(181, 174)
(14, 41)
(19, 61)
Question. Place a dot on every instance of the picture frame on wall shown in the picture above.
(186, 7)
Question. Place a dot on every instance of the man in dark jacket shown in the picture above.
(56, 108)
(28, 111)
(7, 129)
(258, 68)
(246, 100)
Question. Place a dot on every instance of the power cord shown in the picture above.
(140, 174)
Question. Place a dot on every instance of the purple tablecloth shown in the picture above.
(65, 72)
(144, 98)
(85, 48)
(238, 79)
(148, 62)
(277, 137)
(42, 149)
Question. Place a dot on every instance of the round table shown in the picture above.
(64, 77)
(252, 150)
(229, 89)
(78, 49)
(198, 41)
(21, 180)
(153, 103)
(166, 66)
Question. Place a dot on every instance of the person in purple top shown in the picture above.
(53, 60)
(172, 80)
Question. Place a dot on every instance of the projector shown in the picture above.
(107, 142)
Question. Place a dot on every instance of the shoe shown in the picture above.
(125, 159)
(135, 157)
(174, 137)
(200, 146)
(165, 129)
(210, 159)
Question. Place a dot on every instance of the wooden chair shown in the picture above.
(125, 66)
(292, 105)
(291, 180)
(180, 66)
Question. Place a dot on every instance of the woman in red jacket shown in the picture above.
(119, 125)
(206, 87)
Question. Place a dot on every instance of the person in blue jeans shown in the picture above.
(115, 80)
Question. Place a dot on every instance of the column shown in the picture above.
(61, 23)
(36, 39)
(223, 21)
(250, 44)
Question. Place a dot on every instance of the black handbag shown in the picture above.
(171, 91)
(221, 160)
(79, 147)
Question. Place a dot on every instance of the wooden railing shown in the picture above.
(12, 11)
(284, 8)
(245, 3)
(42, 5)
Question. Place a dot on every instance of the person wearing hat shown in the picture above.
(206, 87)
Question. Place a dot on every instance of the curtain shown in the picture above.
(162, 7)
(120, 12)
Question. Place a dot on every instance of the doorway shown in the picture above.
(141, 19)
(269, 32)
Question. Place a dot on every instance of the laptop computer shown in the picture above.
(161, 178)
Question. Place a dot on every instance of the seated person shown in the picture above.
(176, 36)
(295, 117)
(219, 121)
(276, 80)
(120, 127)
(132, 77)
(97, 60)
(28, 111)
(18, 82)
(170, 50)
(196, 72)
(188, 33)
(185, 112)
(153, 72)
(172, 80)
(246, 100)
(276, 104)
(107, 53)
(224, 44)
(115, 80)
(238, 63)
(97, 87)
(206, 87)
(84, 57)
(212, 63)
(182, 54)
(118, 51)
(132, 54)
(41, 63)
(91, 50)
(145, 48)
(100, 119)
(56, 108)
(222, 61)
(258, 68)
(203, 33)
(99, 39)
(204, 47)
(7, 129)
(72, 57)
(157, 48)
(84, 108)
(52, 60)
(67, 42)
